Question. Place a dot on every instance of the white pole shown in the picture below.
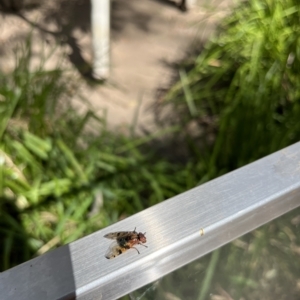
(101, 38)
(190, 3)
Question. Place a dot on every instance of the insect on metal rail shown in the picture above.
(179, 230)
(123, 241)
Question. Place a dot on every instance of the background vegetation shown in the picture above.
(64, 175)
(238, 100)
(241, 93)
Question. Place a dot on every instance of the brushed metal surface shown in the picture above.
(179, 230)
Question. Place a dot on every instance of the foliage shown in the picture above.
(239, 101)
(64, 175)
(241, 94)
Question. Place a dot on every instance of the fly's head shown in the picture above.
(142, 237)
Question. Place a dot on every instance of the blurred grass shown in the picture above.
(64, 175)
(237, 101)
(240, 95)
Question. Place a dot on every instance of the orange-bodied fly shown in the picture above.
(124, 240)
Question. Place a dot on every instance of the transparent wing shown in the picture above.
(114, 250)
(117, 235)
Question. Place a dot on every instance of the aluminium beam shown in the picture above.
(178, 231)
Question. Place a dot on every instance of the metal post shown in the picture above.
(190, 3)
(101, 37)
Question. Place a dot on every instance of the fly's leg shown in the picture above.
(136, 250)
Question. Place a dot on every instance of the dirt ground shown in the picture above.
(147, 38)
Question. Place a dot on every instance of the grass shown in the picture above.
(241, 93)
(60, 180)
(236, 102)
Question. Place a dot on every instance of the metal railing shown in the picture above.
(178, 231)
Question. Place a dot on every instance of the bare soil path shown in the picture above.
(147, 37)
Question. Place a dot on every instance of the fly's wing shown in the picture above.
(118, 235)
(114, 250)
